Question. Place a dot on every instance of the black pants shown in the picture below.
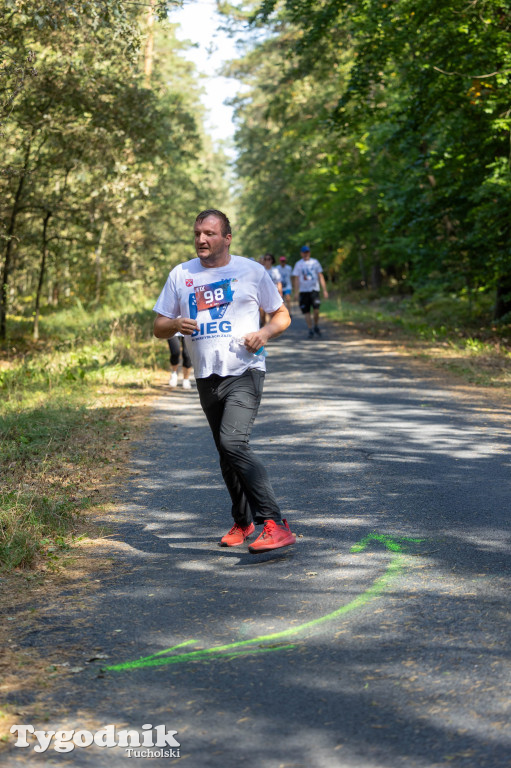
(230, 404)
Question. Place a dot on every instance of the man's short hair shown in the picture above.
(226, 224)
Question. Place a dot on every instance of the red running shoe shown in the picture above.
(273, 537)
(237, 535)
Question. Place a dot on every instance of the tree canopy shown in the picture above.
(104, 151)
(379, 132)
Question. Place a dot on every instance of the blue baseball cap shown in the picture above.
(304, 249)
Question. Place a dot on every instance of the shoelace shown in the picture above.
(235, 528)
(269, 527)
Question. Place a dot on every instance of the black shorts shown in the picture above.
(309, 300)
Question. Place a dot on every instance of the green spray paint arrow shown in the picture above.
(243, 646)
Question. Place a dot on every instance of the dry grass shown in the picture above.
(476, 355)
(69, 413)
(83, 565)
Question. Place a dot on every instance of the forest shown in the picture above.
(104, 156)
(380, 132)
(377, 132)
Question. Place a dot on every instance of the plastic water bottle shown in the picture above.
(261, 351)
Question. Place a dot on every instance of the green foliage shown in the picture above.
(103, 169)
(459, 322)
(379, 133)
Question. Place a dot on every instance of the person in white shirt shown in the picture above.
(273, 271)
(268, 262)
(214, 302)
(285, 278)
(307, 276)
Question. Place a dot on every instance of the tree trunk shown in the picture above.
(361, 262)
(149, 46)
(98, 252)
(42, 268)
(6, 271)
(376, 276)
(502, 298)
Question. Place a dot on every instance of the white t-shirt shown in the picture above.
(274, 273)
(307, 272)
(225, 301)
(285, 276)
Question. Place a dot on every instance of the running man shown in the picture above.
(214, 302)
(307, 277)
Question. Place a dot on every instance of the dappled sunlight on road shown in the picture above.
(376, 632)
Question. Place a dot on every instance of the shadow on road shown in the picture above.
(414, 673)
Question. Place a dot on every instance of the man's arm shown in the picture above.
(166, 327)
(322, 282)
(279, 321)
(295, 280)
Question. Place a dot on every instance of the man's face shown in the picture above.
(306, 255)
(211, 246)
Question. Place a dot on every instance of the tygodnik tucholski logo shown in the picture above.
(152, 742)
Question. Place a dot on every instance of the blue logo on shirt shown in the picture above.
(215, 313)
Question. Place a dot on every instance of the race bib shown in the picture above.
(213, 295)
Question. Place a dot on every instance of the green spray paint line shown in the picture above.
(202, 655)
(387, 541)
(207, 654)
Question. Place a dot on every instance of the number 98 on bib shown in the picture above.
(213, 295)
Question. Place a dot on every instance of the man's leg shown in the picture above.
(244, 474)
(231, 406)
(212, 403)
(317, 329)
(305, 307)
(187, 365)
(316, 303)
(174, 360)
(242, 399)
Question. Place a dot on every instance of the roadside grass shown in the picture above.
(444, 331)
(68, 407)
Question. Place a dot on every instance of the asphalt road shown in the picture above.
(380, 640)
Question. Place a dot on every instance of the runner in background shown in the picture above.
(268, 263)
(307, 277)
(285, 278)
